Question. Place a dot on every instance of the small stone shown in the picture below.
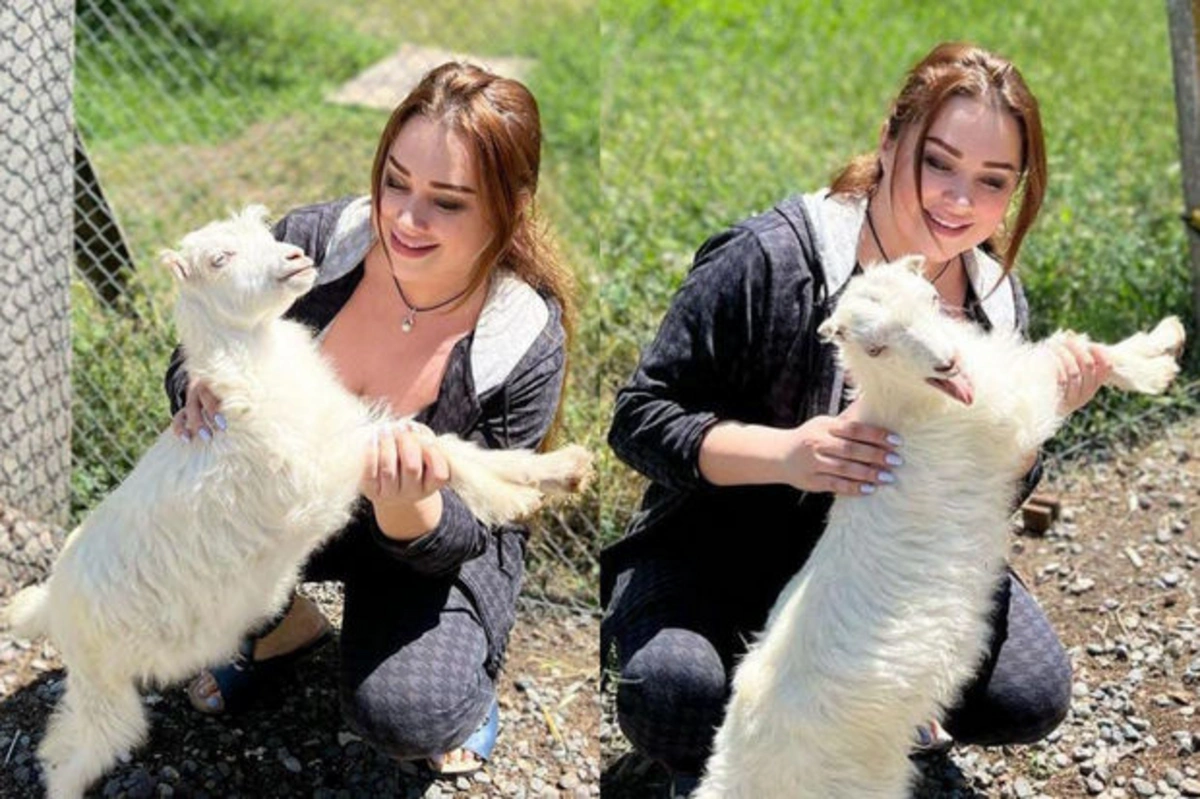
(1142, 787)
(1081, 585)
(1190, 787)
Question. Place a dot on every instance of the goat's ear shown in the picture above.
(913, 263)
(176, 263)
(830, 331)
(255, 213)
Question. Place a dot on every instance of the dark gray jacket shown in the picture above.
(739, 342)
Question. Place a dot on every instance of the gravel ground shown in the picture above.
(295, 744)
(1117, 576)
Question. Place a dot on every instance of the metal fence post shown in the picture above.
(36, 207)
(1182, 15)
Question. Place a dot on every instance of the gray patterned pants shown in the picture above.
(677, 636)
(412, 677)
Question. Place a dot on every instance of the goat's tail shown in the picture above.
(503, 485)
(27, 612)
(1146, 362)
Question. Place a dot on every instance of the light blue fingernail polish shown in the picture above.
(219, 421)
(186, 436)
(205, 434)
(893, 459)
(894, 439)
(867, 488)
(213, 702)
(887, 477)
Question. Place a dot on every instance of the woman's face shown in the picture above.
(970, 170)
(431, 212)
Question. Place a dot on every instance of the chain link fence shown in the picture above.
(166, 139)
(35, 242)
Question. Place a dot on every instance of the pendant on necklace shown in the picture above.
(407, 324)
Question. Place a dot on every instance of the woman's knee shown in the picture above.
(671, 696)
(417, 719)
(1018, 706)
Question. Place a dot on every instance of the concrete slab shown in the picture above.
(386, 83)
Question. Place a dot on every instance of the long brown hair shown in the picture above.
(956, 69)
(497, 120)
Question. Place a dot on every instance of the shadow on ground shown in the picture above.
(293, 743)
(632, 776)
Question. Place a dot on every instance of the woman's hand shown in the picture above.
(1082, 368)
(841, 455)
(403, 467)
(200, 414)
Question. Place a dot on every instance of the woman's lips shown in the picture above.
(947, 230)
(411, 250)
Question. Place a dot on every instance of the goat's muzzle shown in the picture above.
(953, 382)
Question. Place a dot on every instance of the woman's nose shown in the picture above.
(410, 215)
(960, 192)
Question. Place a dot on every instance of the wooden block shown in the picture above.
(1036, 518)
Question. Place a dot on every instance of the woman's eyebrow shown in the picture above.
(957, 153)
(437, 184)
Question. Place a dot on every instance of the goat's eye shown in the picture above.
(874, 350)
(220, 259)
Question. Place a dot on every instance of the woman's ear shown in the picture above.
(887, 150)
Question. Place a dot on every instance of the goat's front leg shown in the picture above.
(1146, 362)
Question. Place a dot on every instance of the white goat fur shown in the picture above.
(886, 621)
(203, 540)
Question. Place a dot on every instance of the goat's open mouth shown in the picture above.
(955, 386)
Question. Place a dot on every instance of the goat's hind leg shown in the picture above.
(94, 723)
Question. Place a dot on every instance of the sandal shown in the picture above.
(931, 738)
(243, 679)
(480, 744)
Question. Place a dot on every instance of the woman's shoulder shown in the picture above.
(778, 243)
(518, 323)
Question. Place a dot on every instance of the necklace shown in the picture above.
(886, 257)
(410, 317)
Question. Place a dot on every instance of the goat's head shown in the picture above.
(236, 271)
(889, 328)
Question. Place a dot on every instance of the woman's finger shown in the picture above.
(437, 470)
(871, 454)
(847, 488)
(389, 469)
(411, 458)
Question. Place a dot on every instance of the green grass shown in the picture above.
(713, 111)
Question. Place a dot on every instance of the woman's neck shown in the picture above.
(436, 301)
(880, 242)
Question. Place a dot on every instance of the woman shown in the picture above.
(440, 296)
(738, 414)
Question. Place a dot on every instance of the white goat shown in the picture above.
(888, 618)
(201, 541)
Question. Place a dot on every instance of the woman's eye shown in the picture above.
(448, 205)
(933, 162)
(392, 183)
(996, 184)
